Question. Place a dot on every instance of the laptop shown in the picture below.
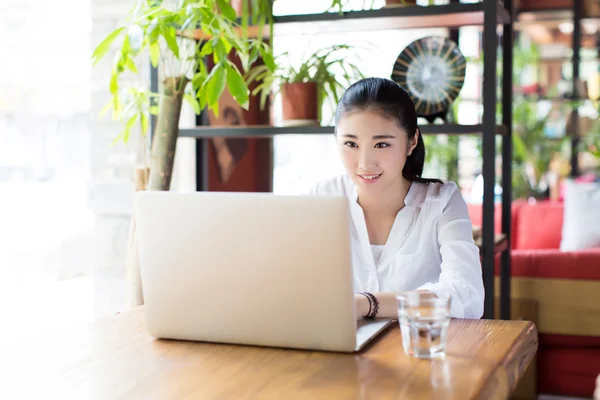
(251, 269)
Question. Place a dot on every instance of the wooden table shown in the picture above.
(116, 359)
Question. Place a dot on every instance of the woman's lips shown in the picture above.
(369, 178)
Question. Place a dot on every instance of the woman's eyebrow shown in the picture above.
(384, 137)
(376, 137)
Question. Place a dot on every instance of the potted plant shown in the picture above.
(153, 28)
(321, 76)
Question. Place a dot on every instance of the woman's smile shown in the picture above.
(370, 178)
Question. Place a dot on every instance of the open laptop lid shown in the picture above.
(247, 268)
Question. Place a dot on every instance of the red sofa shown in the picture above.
(566, 289)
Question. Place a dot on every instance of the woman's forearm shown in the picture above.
(388, 305)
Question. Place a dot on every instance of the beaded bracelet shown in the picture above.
(373, 305)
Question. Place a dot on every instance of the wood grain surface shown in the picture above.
(565, 306)
(115, 358)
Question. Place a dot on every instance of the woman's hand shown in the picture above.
(362, 305)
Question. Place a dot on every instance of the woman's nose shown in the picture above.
(367, 160)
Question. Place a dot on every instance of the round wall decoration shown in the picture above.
(432, 71)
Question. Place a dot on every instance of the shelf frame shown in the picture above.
(577, 16)
(414, 17)
(266, 131)
(452, 15)
(489, 14)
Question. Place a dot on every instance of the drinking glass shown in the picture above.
(424, 319)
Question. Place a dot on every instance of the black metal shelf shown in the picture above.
(206, 132)
(440, 16)
(414, 17)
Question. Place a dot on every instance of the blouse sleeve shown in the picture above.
(461, 274)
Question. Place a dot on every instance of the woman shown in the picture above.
(408, 233)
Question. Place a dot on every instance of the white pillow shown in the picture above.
(581, 225)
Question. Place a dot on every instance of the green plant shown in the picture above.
(163, 32)
(532, 150)
(591, 143)
(328, 67)
(155, 29)
(591, 140)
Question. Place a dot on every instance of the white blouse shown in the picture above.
(430, 246)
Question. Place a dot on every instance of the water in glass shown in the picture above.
(424, 321)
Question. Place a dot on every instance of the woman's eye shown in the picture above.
(350, 144)
(381, 145)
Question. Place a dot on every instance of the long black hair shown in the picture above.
(390, 99)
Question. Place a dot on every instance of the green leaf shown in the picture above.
(207, 48)
(170, 37)
(153, 110)
(227, 10)
(154, 54)
(216, 86)
(114, 84)
(202, 68)
(126, 47)
(333, 89)
(202, 97)
(258, 73)
(193, 102)
(200, 76)
(105, 109)
(245, 18)
(131, 121)
(144, 123)
(226, 44)
(131, 65)
(153, 32)
(244, 60)
(255, 5)
(267, 57)
(253, 55)
(220, 54)
(198, 79)
(116, 107)
(119, 136)
(104, 46)
(237, 86)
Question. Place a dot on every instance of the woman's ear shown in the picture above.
(412, 143)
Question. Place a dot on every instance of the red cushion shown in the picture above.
(582, 264)
(567, 371)
(476, 215)
(539, 225)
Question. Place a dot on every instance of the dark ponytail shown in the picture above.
(388, 98)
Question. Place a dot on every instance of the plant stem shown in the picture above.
(164, 141)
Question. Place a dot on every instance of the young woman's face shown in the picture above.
(373, 149)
